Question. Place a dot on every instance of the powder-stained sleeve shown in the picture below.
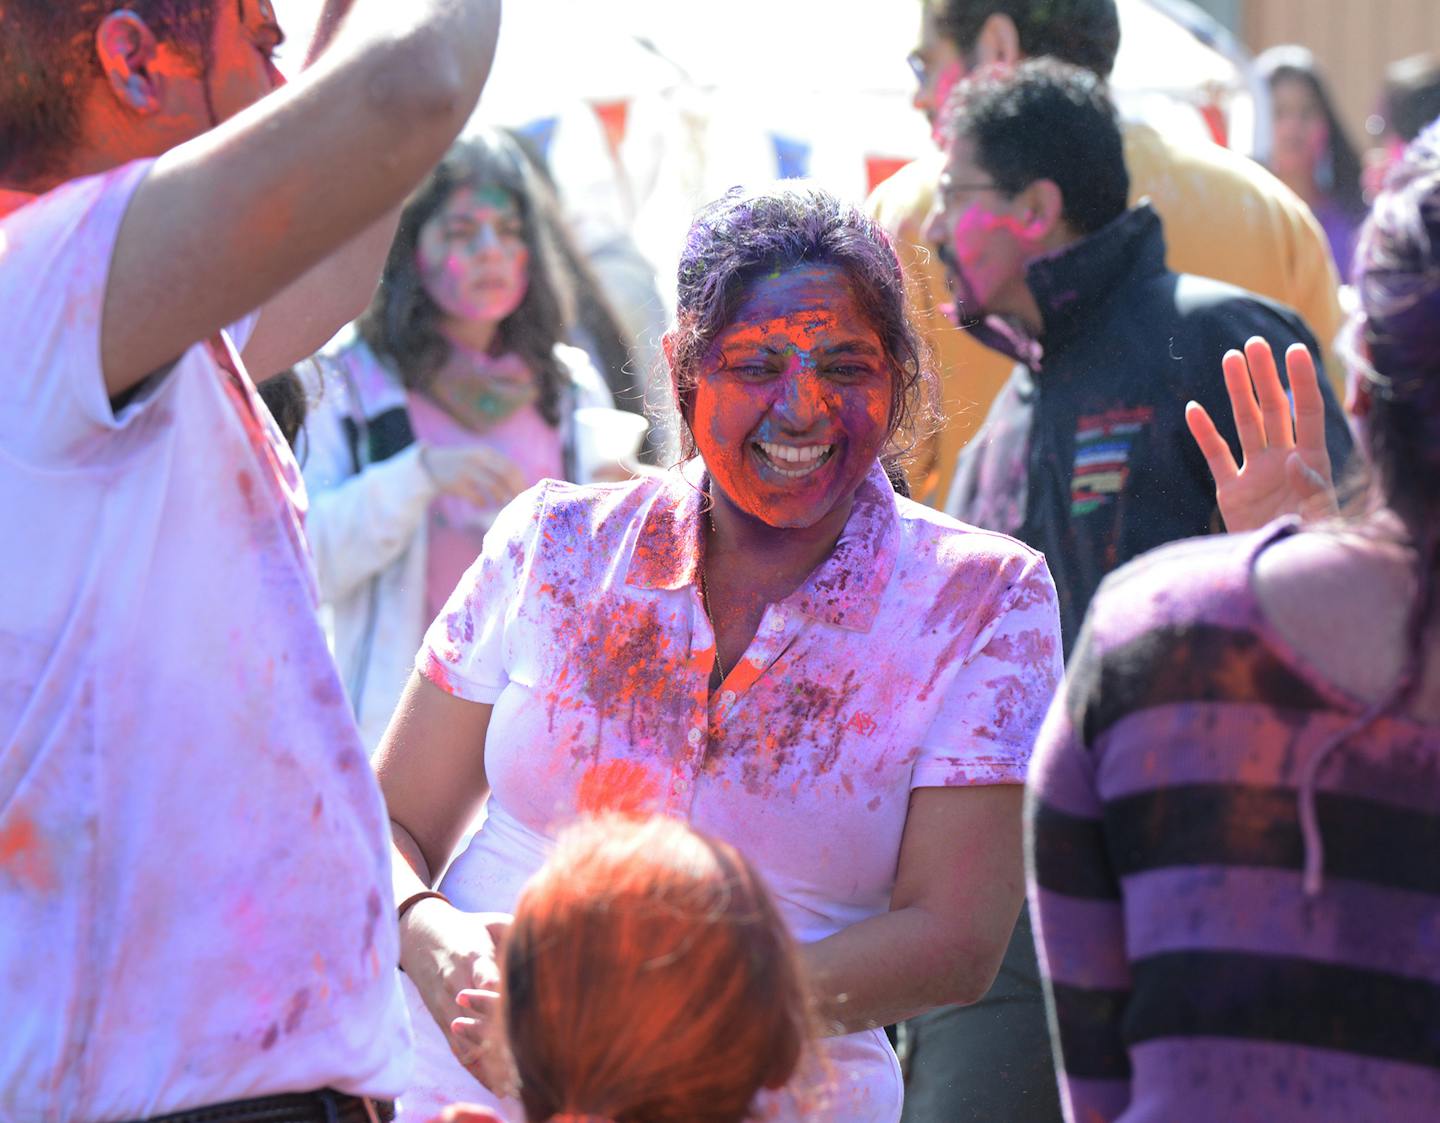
(1075, 905)
(56, 253)
(986, 725)
(464, 650)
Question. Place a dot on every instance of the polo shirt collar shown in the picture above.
(844, 591)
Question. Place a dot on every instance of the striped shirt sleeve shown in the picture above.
(1076, 907)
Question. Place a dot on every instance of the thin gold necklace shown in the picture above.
(705, 604)
(705, 598)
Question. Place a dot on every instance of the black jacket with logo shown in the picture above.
(1085, 455)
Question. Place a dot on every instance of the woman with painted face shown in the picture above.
(1310, 151)
(767, 642)
(1236, 801)
(456, 394)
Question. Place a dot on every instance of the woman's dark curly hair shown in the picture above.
(746, 235)
(401, 326)
(1398, 282)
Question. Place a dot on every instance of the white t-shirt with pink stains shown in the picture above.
(922, 653)
(195, 900)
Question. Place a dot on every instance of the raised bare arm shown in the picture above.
(297, 321)
(225, 222)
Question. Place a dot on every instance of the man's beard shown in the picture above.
(963, 309)
(998, 332)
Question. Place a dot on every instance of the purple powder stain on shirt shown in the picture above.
(372, 918)
(296, 1009)
(325, 691)
(460, 626)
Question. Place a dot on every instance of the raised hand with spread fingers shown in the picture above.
(1285, 465)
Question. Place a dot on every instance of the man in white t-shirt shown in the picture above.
(195, 901)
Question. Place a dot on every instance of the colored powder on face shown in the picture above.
(986, 257)
(800, 363)
(472, 258)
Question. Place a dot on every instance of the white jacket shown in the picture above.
(367, 528)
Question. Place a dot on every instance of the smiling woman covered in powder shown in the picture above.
(768, 643)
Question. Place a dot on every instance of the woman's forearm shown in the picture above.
(410, 874)
(894, 966)
(409, 871)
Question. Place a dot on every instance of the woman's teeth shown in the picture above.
(790, 460)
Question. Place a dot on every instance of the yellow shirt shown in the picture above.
(1225, 217)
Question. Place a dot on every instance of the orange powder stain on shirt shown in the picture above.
(617, 785)
(22, 857)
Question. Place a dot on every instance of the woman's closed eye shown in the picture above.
(755, 370)
(846, 372)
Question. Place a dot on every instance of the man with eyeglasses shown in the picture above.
(1195, 188)
(1085, 454)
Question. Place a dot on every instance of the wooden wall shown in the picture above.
(1353, 39)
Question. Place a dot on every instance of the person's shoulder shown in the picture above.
(354, 378)
(1181, 585)
(19, 210)
(1207, 305)
(1153, 155)
(595, 516)
(1201, 188)
(948, 546)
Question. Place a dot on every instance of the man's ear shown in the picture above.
(998, 43)
(1043, 211)
(126, 48)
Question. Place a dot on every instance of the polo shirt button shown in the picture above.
(777, 622)
(728, 697)
(696, 735)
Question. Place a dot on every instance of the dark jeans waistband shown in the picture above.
(324, 1106)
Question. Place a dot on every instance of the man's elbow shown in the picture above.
(425, 82)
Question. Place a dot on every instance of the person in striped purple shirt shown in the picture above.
(1234, 819)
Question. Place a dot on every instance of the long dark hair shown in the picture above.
(1282, 64)
(401, 326)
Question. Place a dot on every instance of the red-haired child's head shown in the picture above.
(648, 978)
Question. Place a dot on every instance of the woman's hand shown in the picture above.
(453, 959)
(482, 1035)
(1286, 466)
(475, 473)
